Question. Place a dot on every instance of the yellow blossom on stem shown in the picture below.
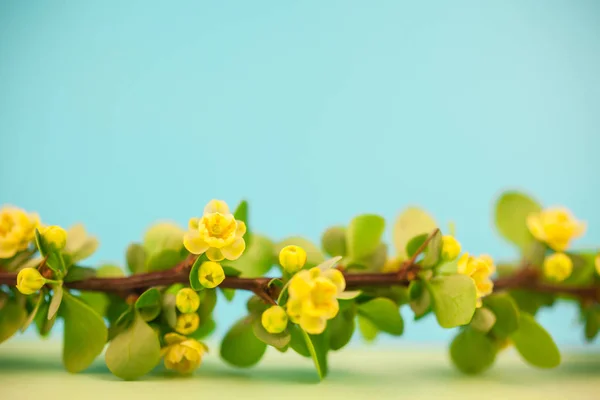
(187, 323)
(217, 233)
(450, 248)
(555, 226)
(274, 319)
(292, 258)
(54, 236)
(187, 300)
(17, 230)
(313, 298)
(211, 274)
(182, 354)
(479, 269)
(558, 266)
(29, 281)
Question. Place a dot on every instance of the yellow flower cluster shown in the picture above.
(313, 298)
(555, 226)
(217, 233)
(479, 269)
(17, 230)
(558, 266)
(182, 354)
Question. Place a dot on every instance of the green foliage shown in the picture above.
(149, 304)
(472, 351)
(592, 323)
(84, 334)
(454, 298)
(507, 314)
(410, 223)
(413, 244)
(33, 313)
(194, 278)
(240, 347)
(534, 343)
(367, 328)
(77, 273)
(134, 352)
(341, 328)
(512, 209)
(420, 299)
(384, 314)
(277, 340)
(530, 301)
(318, 346)
(363, 235)
(12, 317)
(257, 260)
(241, 214)
(433, 252)
(297, 342)
(483, 320)
(54, 258)
(333, 241)
(57, 295)
(136, 258)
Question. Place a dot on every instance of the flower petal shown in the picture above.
(234, 250)
(194, 243)
(193, 223)
(313, 325)
(214, 254)
(534, 224)
(217, 206)
(241, 229)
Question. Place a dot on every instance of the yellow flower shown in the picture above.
(217, 233)
(313, 298)
(450, 248)
(479, 269)
(187, 300)
(558, 266)
(292, 258)
(17, 230)
(211, 274)
(274, 319)
(182, 354)
(555, 226)
(55, 236)
(29, 281)
(187, 323)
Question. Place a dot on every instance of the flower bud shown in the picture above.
(558, 266)
(211, 274)
(333, 241)
(187, 323)
(274, 319)
(187, 300)
(450, 248)
(29, 281)
(292, 258)
(55, 236)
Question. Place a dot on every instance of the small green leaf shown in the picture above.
(512, 210)
(349, 294)
(410, 223)
(84, 334)
(208, 301)
(454, 298)
(136, 258)
(507, 314)
(206, 328)
(230, 271)
(229, 294)
(530, 301)
(472, 352)
(164, 259)
(535, 344)
(77, 273)
(433, 251)
(278, 340)
(110, 271)
(36, 308)
(149, 304)
(483, 320)
(318, 346)
(364, 235)
(384, 314)
(333, 241)
(341, 328)
(43, 324)
(420, 299)
(57, 295)
(413, 245)
(12, 316)
(257, 259)
(54, 259)
(194, 278)
(297, 342)
(134, 352)
(367, 328)
(241, 214)
(163, 236)
(240, 347)
(592, 323)
(97, 300)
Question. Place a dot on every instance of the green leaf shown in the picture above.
(530, 301)
(12, 316)
(149, 304)
(420, 299)
(349, 294)
(230, 271)
(433, 251)
(241, 214)
(229, 294)
(384, 314)
(84, 334)
(136, 258)
(318, 346)
(297, 342)
(277, 340)
(163, 236)
(164, 259)
(36, 307)
(57, 295)
(341, 328)
(472, 352)
(367, 329)
(77, 273)
(208, 301)
(240, 347)
(194, 278)
(206, 328)
(97, 300)
(507, 314)
(483, 320)
(54, 259)
(169, 309)
(410, 223)
(364, 235)
(454, 298)
(134, 352)
(314, 256)
(413, 245)
(512, 210)
(592, 324)
(257, 259)
(535, 344)
(110, 271)
(333, 241)
(44, 325)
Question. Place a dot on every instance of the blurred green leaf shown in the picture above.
(169, 310)
(472, 352)
(592, 323)
(318, 346)
(12, 317)
(364, 235)
(507, 314)
(240, 347)
(530, 301)
(149, 304)
(367, 328)
(54, 259)
(278, 340)
(110, 271)
(194, 278)
(535, 344)
(96, 300)
(384, 314)
(162, 236)
(77, 273)
(241, 214)
(483, 320)
(257, 259)
(341, 328)
(136, 258)
(164, 259)
(410, 223)
(32, 314)
(57, 296)
(454, 298)
(420, 299)
(333, 241)
(512, 209)
(297, 342)
(413, 244)
(229, 294)
(433, 251)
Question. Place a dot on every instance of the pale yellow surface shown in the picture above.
(32, 370)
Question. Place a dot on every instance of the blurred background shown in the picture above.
(118, 114)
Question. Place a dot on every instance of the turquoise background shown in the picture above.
(119, 113)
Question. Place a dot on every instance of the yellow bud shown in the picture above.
(187, 323)
(55, 236)
(450, 248)
(558, 266)
(274, 319)
(187, 300)
(292, 258)
(29, 281)
(211, 274)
